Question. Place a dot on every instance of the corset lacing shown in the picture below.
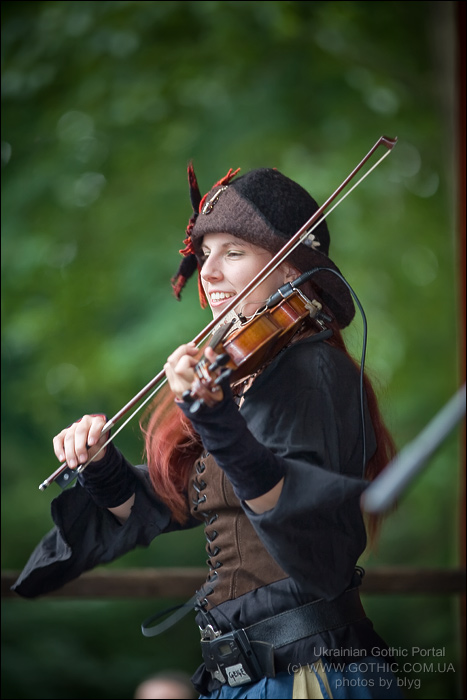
(209, 518)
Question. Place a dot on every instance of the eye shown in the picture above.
(235, 253)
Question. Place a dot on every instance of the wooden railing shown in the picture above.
(183, 582)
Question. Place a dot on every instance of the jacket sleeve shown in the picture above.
(308, 412)
(86, 535)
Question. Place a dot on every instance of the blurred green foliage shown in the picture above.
(103, 106)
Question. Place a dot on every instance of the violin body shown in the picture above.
(258, 340)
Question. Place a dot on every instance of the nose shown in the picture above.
(211, 270)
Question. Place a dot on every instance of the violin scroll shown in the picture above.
(206, 388)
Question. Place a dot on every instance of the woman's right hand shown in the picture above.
(80, 441)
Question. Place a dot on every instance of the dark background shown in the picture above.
(103, 106)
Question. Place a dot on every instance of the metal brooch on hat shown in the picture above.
(209, 205)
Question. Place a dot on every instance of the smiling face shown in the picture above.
(229, 264)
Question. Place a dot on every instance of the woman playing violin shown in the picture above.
(271, 462)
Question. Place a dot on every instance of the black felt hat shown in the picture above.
(266, 208)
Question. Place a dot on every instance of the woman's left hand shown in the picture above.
(180, 368)
(181, 375)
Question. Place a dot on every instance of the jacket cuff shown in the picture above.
(109, 481)
(252, 468)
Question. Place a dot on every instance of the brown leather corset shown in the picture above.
(238, 561)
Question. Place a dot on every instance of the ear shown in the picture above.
(290, 273)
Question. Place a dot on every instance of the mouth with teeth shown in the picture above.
(217, 298)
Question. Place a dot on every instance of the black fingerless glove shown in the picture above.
(252, 468)
(110, 481)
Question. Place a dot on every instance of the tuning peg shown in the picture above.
(225, 375)
(220, 362)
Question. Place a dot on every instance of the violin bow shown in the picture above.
(64, 473)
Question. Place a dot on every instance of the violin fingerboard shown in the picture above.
(220, 333)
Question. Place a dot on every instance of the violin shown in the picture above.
(244, 349)
(260, 338)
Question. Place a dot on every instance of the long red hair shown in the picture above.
(172, 446)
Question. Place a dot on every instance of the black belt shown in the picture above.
(274, 632)
(309, 619)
